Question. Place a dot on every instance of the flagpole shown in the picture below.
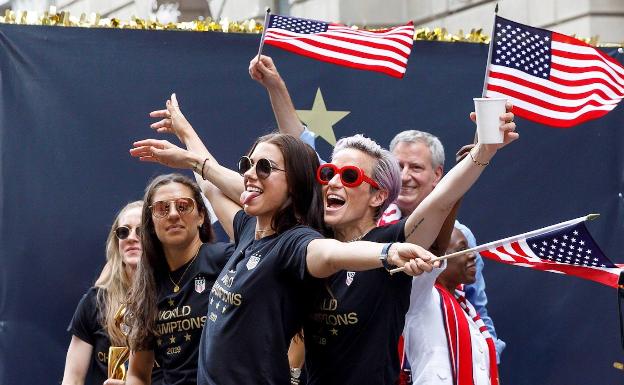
(500, 242)
(264, 28)
(489, 58)
(487, 65)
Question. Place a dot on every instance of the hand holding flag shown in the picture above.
(564, 248)
(551, 78)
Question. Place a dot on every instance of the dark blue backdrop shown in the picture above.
(73, 100)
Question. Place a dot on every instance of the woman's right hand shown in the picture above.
(111, 381)
(172, 120)
(263, 71)
(165, 153)
(414, 259)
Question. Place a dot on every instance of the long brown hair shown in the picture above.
(113, 281)
(306, 202)
(143, 298)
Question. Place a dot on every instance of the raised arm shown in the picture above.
(168, 154)
(423, 225)
(328, 256)
(264, 72)
(174, 122)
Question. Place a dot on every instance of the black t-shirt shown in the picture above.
(351, 335)
(181, 315)
(256, 306)
(86, 325)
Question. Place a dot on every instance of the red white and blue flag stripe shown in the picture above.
(385, 51)
(568, 250)
(552, 79)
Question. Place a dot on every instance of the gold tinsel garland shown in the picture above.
(94, 20)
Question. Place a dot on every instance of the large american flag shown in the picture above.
(551, 78)
(569, 250)
(384, 51)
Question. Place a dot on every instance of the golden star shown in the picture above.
(172, 339)
(159, 342)
(320, 121)
(187, 337)
(334, 331)
(170, 301)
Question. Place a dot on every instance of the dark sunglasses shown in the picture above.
(183, 206)
(350, 176)
(123, 232)
(263, 166)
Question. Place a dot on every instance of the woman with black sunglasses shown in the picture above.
(262, 295)
(358, 185)
(169, 297)
(93, 326)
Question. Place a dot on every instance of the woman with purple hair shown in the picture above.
(352, 332)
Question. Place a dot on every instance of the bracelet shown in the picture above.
(476, 161)
(384, 257)
(202, 169)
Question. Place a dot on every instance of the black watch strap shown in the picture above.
(384, 257)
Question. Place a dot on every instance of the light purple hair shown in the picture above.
(386, 171)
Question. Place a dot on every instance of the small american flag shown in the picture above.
(384, 51)
(568, 250)
(551, 78)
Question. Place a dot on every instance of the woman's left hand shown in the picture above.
(507, 126)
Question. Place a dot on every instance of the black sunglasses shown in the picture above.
(123, 232)
(263, 166)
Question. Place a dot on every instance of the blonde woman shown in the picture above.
(93, 326)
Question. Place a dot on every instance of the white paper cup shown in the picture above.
(488, 112)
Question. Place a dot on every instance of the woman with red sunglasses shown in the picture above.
(261, 297)
(354, 338)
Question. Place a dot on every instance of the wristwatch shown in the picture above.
(295, 373)
(384, 257)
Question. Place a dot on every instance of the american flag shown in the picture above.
(568, 250)
(384, 51)
(551, 78)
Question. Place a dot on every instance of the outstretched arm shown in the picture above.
(265, 72)
(423, 225)
(328, 256)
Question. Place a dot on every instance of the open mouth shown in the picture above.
(334, 202)
(249, 194)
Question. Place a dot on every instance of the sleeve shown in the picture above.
(84, 323)
(216, 256)
(475, 293)
(421, 287)
(293, 250)
(241, 220)
(308, 137)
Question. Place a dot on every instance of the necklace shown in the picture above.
(176, 286)
(261, 233)
(358, 237)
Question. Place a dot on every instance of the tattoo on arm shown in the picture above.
(414, 228)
